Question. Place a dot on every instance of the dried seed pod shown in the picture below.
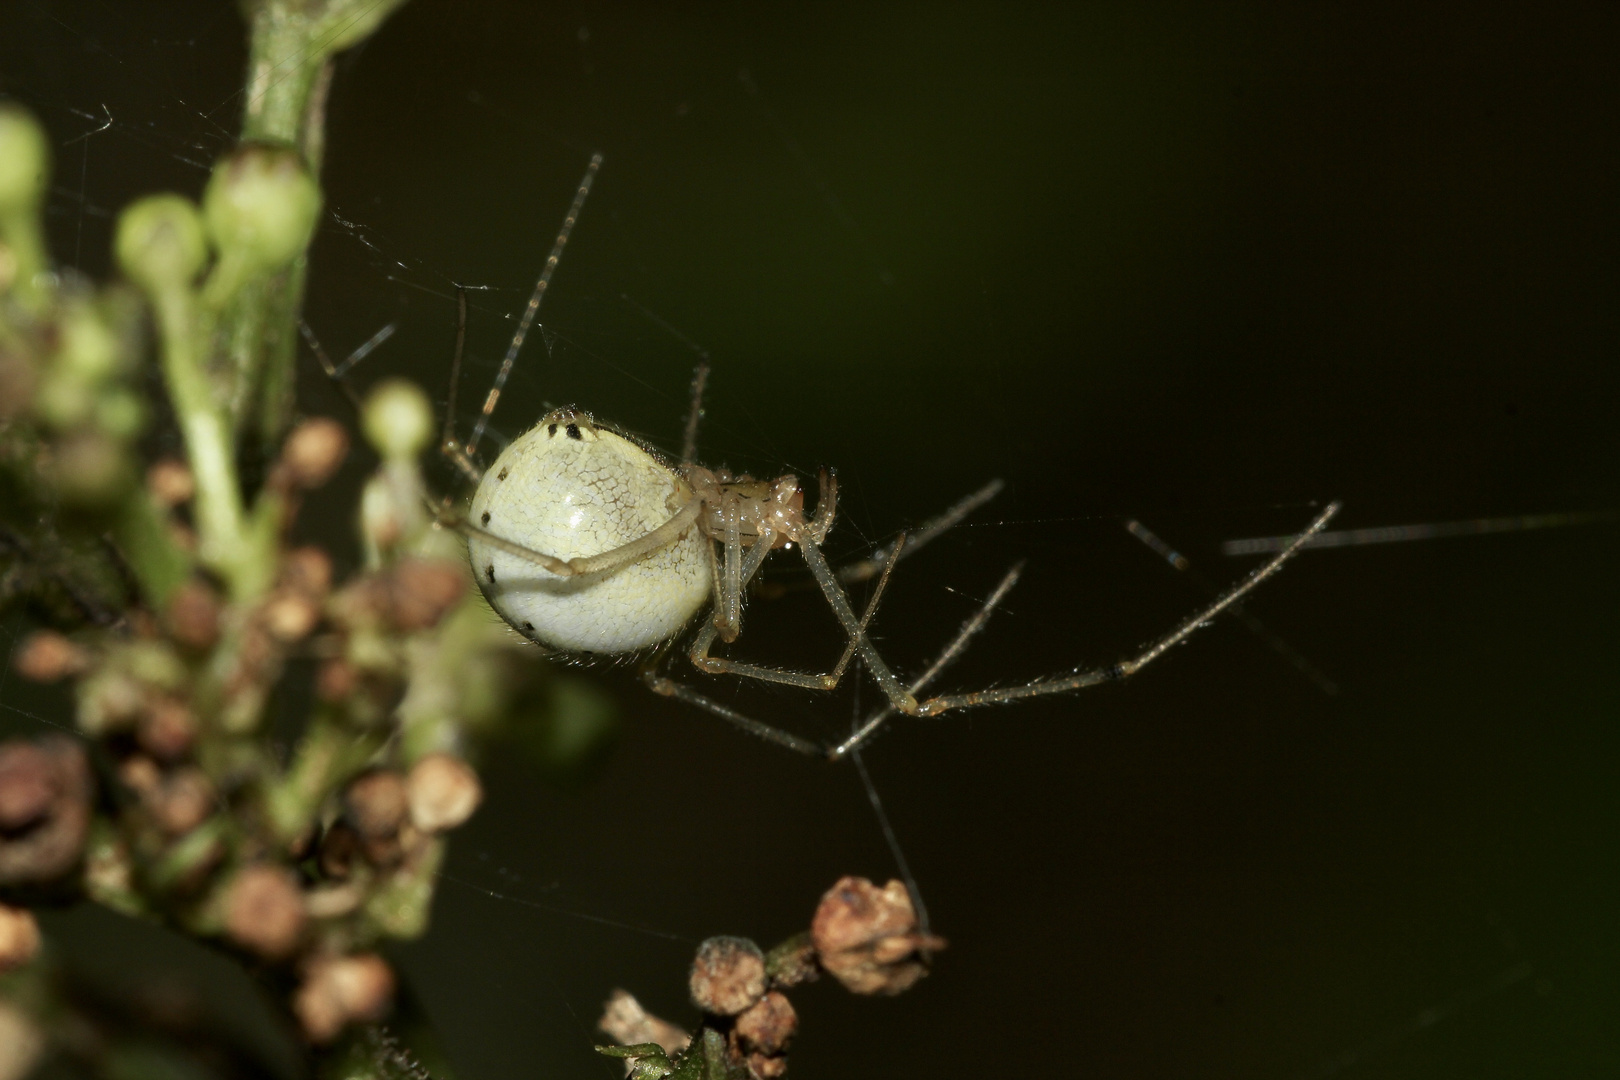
(167, 730)
(627, 1023)
(46, 656)
(761, 1035)
(377, 805)
(264, 911)
(728, 975)
(290, 616)
(422, 591)
(443, 792)
(335, 680)
(170, 482)
(339, 989)
(340, 847)
(867, 937)
(314, 450)
(45, 788)
(306, 570)
(19, 937)
(182, 802)
(192, 617)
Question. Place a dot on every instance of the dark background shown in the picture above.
(1206, 265)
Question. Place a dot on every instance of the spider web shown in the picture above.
(1195, 269)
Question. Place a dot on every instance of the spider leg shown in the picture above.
(948, 656)
(715, 665)
(667, 687)
(875, 562)
(670, 688)
(694, 416)
(1080, 680)
(607, 561)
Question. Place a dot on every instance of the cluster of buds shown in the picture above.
(301, 865)
(866, 937)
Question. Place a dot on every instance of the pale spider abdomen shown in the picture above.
(572, 489)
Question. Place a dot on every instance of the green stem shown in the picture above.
(209, 442)
(289, 72)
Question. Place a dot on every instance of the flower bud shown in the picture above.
(260, 205)
(25, 162)
(160, 243)
(398, 419)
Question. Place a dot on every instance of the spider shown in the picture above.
(586, 540)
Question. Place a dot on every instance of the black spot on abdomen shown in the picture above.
(489, 572)
(485, 517)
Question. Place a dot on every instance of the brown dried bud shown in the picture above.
(307, 570)
(19, 937)
(378, 807)
(422, 591)
(443, 792)
(264, 911)
(866, 937)
(728, 975)
(46, 656)
(340, 847)
(335, 680)
(762, 1034)
(45, 789)
(314, 450)
(141, 775)
(340, 989)
(290, 616)
(170, 482)
(167, 730)
(193, 615)
(182, 802)
(627, 1023)
(22, 1043)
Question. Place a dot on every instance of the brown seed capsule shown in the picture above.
(761, 1035)
(46, 786)
(19, 937)
(340, 848)
(264, 911)
(46, 656)
(167, 730)
(867, 937)
(182, 802)
(378, 807)
(192, 617)
(728, 975)
(314, 450)
(290, 616)
(170, 482)
(443, 792)
(339, 989)
(306, 570)
(769, 1026)
(422, 591)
